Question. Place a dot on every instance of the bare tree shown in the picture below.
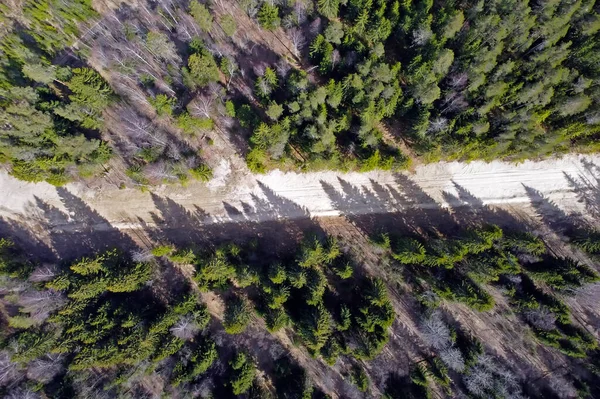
(186, 328)
(315, 26)
(478, 381)
(215, 90)
(335, 58)
(487, 376)
(186, 28)
(435, 331)
(159, 171)
(454, 102)
(252, 9)
(201, 106)
(453, 358)
(161, 47)
(593, 119)
(282, 67)
(141, 131)
(12, 285)
(458, 80)
(22, 393)
(45, 369)
(438, 125)
(300, 11)
(562, 388)
(264, 87)
(169, 8)
(298, 40)
(174, 150)
(231, 71)
(39, 304)
(43, 273)
(9, 371)
(421, 35)
(541, 318)
(141, 255)
(259, 68)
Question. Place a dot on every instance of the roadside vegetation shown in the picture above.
(352, 85)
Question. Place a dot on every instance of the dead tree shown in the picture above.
(298, 40)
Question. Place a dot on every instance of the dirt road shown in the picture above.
(571, 183)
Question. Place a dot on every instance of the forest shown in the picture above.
(113, 325)
(151, 93)
(149, 88)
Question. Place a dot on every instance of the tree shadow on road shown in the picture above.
(27, 240)
(551, 215)
(378, 208)
(272, 218)
(471, 211)
(79, 230)
(587, 189)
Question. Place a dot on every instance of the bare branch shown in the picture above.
(185, 328)
(43, 273)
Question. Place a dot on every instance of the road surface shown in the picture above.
(571, 183)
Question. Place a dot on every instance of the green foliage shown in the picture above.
(228, 25)
(268, 16)
(274, 111)
(238, 313)
(343, 270)
(276, 319)
(41, 137)
(214, 272)
(525, 243)
(203, 356)
(277, 273)
(467, 292)
(409, 251)
(230, 108)
(329, 8)
(33, 344)
(588, 241)
(163, 250)
(243, 373)
(163, 104)
(359, 378)
(345, 318)
(203, 68)
(316, 327)
(191, 125)
(202, 173)
(44, 74)
(90, 95)
(246, 116)
(46, 17)
(315, 254)
(563, 273)
(106, 321)
(376, 312)
(12, 262)
(201, 15)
